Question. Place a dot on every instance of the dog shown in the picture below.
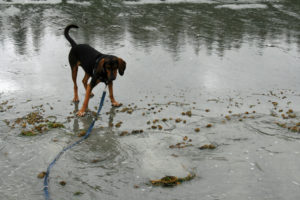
(100, 67)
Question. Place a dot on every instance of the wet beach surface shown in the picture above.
(223, 72)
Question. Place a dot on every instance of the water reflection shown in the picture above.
(213, 27)
(90, 117)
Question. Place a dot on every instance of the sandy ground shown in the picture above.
(224, 73)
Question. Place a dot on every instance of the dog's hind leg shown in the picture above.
(74, 64)
(74, 78)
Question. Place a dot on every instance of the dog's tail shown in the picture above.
(73, 43)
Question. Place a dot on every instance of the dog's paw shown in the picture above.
(116, 104)
(76, 99)
(80, 113)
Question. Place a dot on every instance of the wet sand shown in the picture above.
(214, 72)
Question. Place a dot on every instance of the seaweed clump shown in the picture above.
(207, 146)
(55, 125)
(184, 144)
(35, 123)
(170, 181)
(294, 127)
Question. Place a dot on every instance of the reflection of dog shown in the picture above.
(101, 67)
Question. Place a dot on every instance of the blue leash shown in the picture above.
(46, 179)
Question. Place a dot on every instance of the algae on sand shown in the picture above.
(169, 181)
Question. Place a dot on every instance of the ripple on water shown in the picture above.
(271, 126)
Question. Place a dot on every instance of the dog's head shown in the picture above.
(111, 65)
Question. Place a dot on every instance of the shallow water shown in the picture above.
(233, 64)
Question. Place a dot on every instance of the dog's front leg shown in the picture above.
(111, 96)
(85, 80)
(81, 112)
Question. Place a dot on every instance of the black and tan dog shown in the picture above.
(101, 67)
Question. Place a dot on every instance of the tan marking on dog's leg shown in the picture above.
(85, 104)
(111, 96)
(85, 80)
(74, 78)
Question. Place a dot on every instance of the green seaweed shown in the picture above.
(170, 181)
(55, 125)
(28, 133)
(77, 193)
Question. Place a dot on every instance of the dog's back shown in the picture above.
(86, 55)
(81, 53)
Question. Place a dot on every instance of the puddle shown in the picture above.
(243, 6)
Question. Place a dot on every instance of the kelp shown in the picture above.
(170, 181)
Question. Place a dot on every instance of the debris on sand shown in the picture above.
(137, 131)
(133, 132)
(41, 175)
(35, 123)
(291, 127)
(127, 110)
(208, 125)
(95, 160)
(295, 129)
(227, 117)
(28, 133)
(34, 117)
(81, 133)
(124, 133)
(164, 119)
(178, 120)
(155, 120)
(183, 144)
(180, 145)
(118, 125)
(170, 181)
(62, 183)
(292, 115)
(189, 113)
(207, 146)
(55, 125)
(40, 128)
(197, 129)
(2, 109)
(77, 193)
(282, 125)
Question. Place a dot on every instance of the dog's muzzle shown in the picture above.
(111, 78)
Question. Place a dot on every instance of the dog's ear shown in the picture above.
(121, 66)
